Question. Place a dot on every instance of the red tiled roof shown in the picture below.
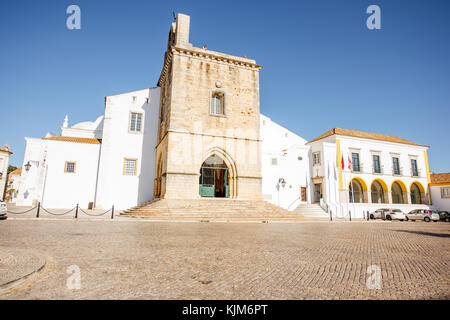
(75, 139)
(364, 135)
(440, 178)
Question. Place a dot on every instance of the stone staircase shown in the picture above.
(211, 209)
(311, 211)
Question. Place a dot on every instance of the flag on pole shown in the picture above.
(342, 161)
(349, 163)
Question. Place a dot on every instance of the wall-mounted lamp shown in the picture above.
(27, 166)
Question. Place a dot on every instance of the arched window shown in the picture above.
(356, 192)
(377, 192)
(217, 103)
(397, 193)
(416, 196)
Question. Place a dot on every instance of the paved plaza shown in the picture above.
(135, 259)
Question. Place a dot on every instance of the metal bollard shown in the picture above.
(331, 215)
(76, 212)
(368, 215)
(38, 209)
(350, 215)
(112, 212)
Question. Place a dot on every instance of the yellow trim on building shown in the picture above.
(425, 156)
(440, 184)
(339, 161)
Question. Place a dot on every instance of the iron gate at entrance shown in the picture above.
(214, 178)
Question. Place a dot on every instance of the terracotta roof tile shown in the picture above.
(440, 178)
(364, 135)
(5, 150)
(17, 171)
(74, 139)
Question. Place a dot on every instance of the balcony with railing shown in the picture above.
(378, 170)
(397, 171)
(416, 172)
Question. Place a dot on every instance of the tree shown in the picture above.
(11, 169)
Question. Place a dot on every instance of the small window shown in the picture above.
(445, 192)
(376, 163)
(274, 161)
(135, 122)
(396, 166)
(129, 167)
(316, 158)
(70, 167)
(217, 104)
(414, 170)
(355, 162)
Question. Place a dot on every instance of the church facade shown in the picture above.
(199, 134)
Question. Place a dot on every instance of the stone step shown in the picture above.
(210, 208)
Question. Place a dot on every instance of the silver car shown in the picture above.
(388, 214)
(423, 214)
(3, 210)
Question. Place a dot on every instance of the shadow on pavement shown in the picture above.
(431, 234)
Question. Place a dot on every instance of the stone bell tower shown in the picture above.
(208, 122)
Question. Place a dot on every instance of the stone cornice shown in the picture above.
(207, 55)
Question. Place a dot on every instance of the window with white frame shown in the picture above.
(217, 103)
(129, 167)
(445, 192)
(70, 166)
(316, 158)
(135, 122)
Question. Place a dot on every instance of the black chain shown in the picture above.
(57, 214)
(94, 215)
(21, 212)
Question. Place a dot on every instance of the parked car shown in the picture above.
(423, 214)
(3, 210)
(388, 214)
(444, 216)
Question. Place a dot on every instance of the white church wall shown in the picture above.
(4, 161)
(64, 189)
(283, 156)
(114, 187)
(29, 192)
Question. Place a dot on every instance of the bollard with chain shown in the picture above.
(112, 212)
(350, 215)
(76, 212)
(38, 209)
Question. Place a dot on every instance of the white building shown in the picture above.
(13, 185)
(440, 191)
(4, 161)
(358, 171)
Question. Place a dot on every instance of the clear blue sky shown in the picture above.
(322, 67)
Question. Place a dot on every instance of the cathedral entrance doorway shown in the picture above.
(214, 178)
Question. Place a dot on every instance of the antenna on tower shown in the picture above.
(174, 16)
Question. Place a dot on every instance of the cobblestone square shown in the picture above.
(135, 259)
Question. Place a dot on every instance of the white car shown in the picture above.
(423, 214)
(3, 210)
(388, 214)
